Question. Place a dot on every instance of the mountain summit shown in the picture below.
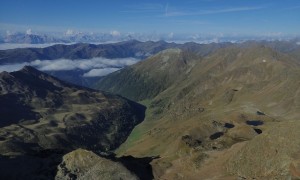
(150, 77)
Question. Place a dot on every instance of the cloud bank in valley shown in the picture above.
(92, 67)
(100, 72)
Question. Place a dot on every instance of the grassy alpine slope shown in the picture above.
(205, 112)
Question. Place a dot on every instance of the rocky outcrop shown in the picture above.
(83, 164)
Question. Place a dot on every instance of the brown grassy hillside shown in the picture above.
(215, 110)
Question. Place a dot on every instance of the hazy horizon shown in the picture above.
(156, 19)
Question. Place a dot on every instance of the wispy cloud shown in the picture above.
(169, 12)
(100, 72)
(160, 10)
(83, 64)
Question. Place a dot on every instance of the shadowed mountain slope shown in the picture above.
(43, 118)
(39, 111)
(150, 77)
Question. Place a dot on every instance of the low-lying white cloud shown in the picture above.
(100, 72)
(92, 67)
(83, 64)
(56, 65)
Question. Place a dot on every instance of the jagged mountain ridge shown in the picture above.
(31, 39)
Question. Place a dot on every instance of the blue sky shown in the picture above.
(161, 16)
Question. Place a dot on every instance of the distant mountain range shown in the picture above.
(31, 39)
(79, 37)
(25, 38)
(128, 49)
(72, 37)
(125, 49)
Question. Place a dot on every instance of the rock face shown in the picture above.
(83, 164)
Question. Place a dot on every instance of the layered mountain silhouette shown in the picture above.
(125, 49)
(207, 115)
(43, 117)
(132, 48)
(31, 39)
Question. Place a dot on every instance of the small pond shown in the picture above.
(216, 135)
(228, 125)
(255, 122)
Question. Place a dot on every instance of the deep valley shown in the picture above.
(185, 111)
